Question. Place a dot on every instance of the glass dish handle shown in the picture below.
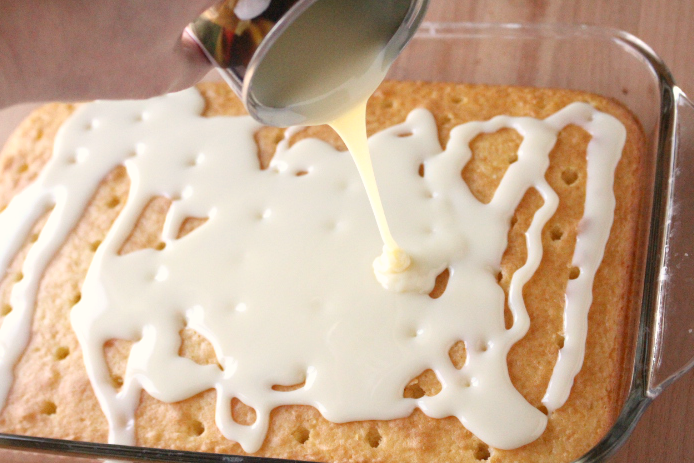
(672, 337)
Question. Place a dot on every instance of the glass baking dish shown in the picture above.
(604, 61)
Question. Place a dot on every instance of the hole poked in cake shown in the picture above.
(196, 428)
(241, 413)
(61, 353)
(430, 194)
(5, 310)
(301, 435)
(373, 437)
(113, 202)
(196, 160)
(491, 156)
(414, 332)
(560, 339)
(574, 273)
(420, 170)
(556, 233)
(48, 408)
(426, 384)
(441, 284)
(117, 381)
(482, 452)
(569, 176)
(262, 215)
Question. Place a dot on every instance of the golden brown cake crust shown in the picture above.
(52, 397)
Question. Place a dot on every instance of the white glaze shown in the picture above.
(279, 278)
(392, 267)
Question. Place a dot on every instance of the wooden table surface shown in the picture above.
(663, 435)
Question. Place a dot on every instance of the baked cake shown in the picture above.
(52, 396)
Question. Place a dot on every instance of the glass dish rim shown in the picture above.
(640, 394)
